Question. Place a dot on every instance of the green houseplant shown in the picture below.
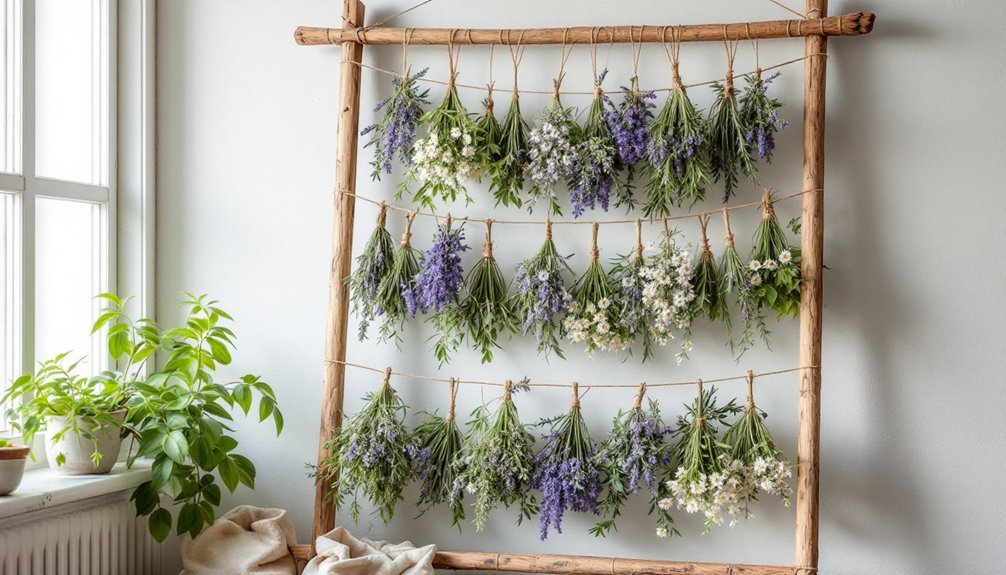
(179, 414)
(81, 417)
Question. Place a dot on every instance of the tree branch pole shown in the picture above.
(853, 24)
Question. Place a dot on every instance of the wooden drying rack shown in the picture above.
(815, 29)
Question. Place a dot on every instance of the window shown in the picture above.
(58, 180)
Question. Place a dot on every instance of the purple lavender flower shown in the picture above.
(566, 473)
(760, 116)
(440, 274)
(628, 122)
(595, 176)
(395, 132)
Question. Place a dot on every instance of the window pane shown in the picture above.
(71, 90)
(68, 274)
(9, 335)
(10, 86)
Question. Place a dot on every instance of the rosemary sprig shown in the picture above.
(540, 296)
(678, 170)
(372, 266)
(397, 294)
(486, 308)
(395, 132)
(506, 175)
(442, 441)
(733, 280)
(706, 282)
(729, 153)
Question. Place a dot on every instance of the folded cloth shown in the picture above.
(245, 540)
(339, 553)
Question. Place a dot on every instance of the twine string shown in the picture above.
(594, 253)
(548, 229)
(788, 9)
(406, 38)
(638, 403)
(728, 239)
(452, 58)
(768, 204)
(757, 71)
(387, 377)
(637, 47)
(700, 419)
(673, 50)
(750, 388)
(487, 251)
(728, 80)
(387, 19)
(454, 395)
(492, 83)
(382, 215)
(703, 224)
(508, 391)
(639, 238)
(575, 403)
(564, 56)
(447, 222)
(516, 54)
(407, 236)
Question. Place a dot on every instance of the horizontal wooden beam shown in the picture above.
(854, 24)
(578, 564)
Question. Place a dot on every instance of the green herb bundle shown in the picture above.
(376, 262)
(540, 296)
(760, 115)
(677, 171)
(733, 279)
(729, 153)
(627, 275)
(506, 175)
(397, 293)
(708, 291)
(372, 455)
(486, 310)
(636, 454)
(705, 481)
(774, 270)
(440, 440)
(593, 181)
(498, 461)
(488, 135)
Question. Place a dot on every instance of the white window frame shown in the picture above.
(127, 260)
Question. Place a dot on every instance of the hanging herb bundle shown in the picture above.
(552, 153)
(729, 153)
(445, 158)
(397, 296)
(709, 298)
(441, 441)
(626, 273)
(733, 277)
(566, 471)
(372, 455)
(498, 461)
(677, 170)
(488, 134)
(760, 115)
(486, 309)
(506, 175)
(704, 480)
(593, 318)
(372, 266)
(636, 454)
(540, 295)
(439, 283)
(766, 468)
(628, 123)
(395, 132)
(593, 178)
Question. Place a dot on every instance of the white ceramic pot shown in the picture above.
(12, 460)
(76, 450)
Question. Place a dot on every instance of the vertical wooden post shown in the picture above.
(811, 296)
(342, 253)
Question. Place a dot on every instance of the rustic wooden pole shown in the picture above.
(846, 25)
(808, 450)
(586, 565)
(342, 253)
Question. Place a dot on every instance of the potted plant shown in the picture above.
(179, 414)
(81, 417)
(12, 460)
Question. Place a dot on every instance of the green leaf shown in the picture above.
(206, 512)
(175, 446)
(265, 407)
(229, 474)
(217, 410)
(278, 418)
(212, 494)
(220, 352)
(160, 524)
(189, 520)
(160, 471)
(245, 468)
(242, 396)
(145, 497)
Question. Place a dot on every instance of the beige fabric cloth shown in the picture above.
(245, 540)
(340, 553)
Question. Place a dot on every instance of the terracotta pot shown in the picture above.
(12, 460)
(77, 450)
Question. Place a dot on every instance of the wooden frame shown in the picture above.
(815, 29)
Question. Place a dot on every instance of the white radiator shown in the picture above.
(101, 536)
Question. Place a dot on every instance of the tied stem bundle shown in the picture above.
(706, 282)
(592, 318)
(760, 115)
(373, 455)
(540, 295)
(439, 284)
(628, 124)
(634, 455)
(593, 179)
(486, 310)
(397, 293)
(733, 279)
(566, 472)
(552, 154)
(441, 440)
(372, 266)
(507, 174)
(729, 153)
(395, 133)
(498, 461)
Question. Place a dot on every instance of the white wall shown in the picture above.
(912, 426)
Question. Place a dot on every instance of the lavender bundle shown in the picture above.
(593, 318)
(372, 455)
(552, 153)
(507, 173)
(498, 462)
(486, 311)
(677, 169)
(729, 153)
(628, 123)
(760, 115)
(540, 295)
(766, 468)
(372, 266)
(709, 298)
(445, 158)
(441, 440)
(397, 293)
(636, 454)
(593, 178)
(439, 283)
(395, 132)
(705, 480)
(566, 472)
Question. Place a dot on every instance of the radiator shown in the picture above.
(100, 537)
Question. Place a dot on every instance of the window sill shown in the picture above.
(41, 488)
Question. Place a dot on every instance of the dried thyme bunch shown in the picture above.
(540, 296)
(372, 266)
(706, 282)
(729, 153)
(441, 441)
(760, 115)
(486, 310)
(566, 471)
(498, 461)
(593, 180)
(593, 316)
(395, 132)
(373, 455)
(397, 293)
(636, 454)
